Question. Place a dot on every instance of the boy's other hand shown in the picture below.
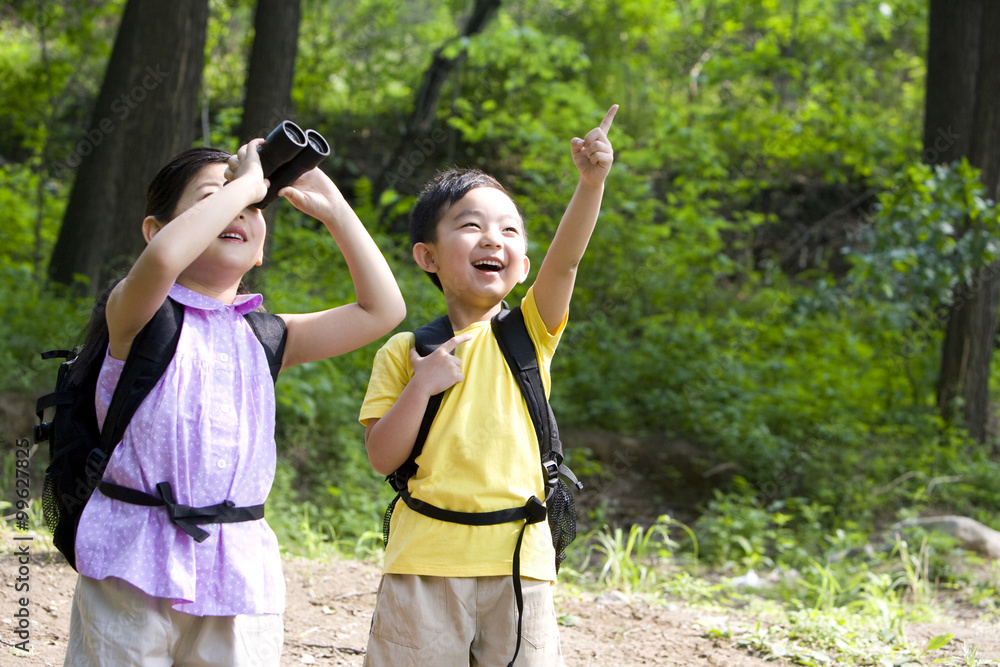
(440, 369)
(593, 155)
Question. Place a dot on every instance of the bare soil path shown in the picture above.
(330, 605)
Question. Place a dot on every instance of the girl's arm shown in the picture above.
(379, 307)
(593, 156)
(173, 245)
(390, 440)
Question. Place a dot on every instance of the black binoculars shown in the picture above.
(287, 153)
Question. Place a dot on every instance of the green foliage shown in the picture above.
(934, 230)
(811, 394)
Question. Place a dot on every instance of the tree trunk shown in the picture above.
(963, 119)
(145, 114)
(271, 72)
(272, 68)
(416, 145)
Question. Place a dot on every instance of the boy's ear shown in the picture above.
(150, 227)
(527, 268)
(423, 255)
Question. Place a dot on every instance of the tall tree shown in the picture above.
(145, 113)
(272, 67)
(962, 119)
(270, 75)
(428, 96)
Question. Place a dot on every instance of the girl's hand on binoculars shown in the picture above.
(314, 194)
(246, 162)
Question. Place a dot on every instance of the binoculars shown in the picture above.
(287, 153)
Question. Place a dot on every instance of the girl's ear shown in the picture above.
(150, 227)
(423, 255)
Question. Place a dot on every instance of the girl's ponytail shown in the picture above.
(95, 343)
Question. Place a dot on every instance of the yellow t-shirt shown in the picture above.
(481, 454)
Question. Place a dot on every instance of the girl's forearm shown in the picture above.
(181, 241)
(375, 286)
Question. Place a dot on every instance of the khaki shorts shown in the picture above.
(435, 621)
(114, 623)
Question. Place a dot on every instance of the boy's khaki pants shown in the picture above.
(114, 623)
(455, 621)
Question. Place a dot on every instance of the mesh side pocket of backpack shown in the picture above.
(51, 508)
(386, 519)
(562, 520)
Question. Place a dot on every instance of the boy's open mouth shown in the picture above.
(488, 265)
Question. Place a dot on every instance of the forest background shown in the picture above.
(762, 340)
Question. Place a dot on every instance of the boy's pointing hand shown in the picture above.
(593, 155)
(440, 369)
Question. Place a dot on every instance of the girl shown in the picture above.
(148, 593)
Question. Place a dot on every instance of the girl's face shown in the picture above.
(241, 244)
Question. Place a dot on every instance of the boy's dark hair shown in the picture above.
(441, 193)
(168, 185)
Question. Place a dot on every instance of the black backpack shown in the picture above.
(79, 451)
(519, 352)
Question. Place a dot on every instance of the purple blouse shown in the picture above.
(207, 428)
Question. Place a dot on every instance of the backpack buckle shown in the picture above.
(535, 510)
(42, 432)
(551, 472)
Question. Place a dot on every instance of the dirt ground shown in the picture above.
(330, 606)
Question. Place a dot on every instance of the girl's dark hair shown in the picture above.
(168, 185)
(439, 195)
(95, 343)
(161, 202)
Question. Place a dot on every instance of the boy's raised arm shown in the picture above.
(593, 156)
(379, 306)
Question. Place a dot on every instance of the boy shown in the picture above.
(446, 596)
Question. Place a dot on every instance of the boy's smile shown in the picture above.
(480, 251)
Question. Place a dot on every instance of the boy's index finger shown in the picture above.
(609, 118)
(450, 345)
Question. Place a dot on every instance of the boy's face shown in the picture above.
(480, 251)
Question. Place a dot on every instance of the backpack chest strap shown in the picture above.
(532, 511)
(185, 517)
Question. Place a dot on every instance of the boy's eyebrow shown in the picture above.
(475, 212)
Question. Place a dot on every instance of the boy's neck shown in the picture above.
(462, 315)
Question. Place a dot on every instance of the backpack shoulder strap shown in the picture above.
(426, 339)
(518, 349)
(272, 333)
(151, 352)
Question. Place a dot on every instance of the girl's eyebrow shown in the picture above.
(200, 192)
(209, 183)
